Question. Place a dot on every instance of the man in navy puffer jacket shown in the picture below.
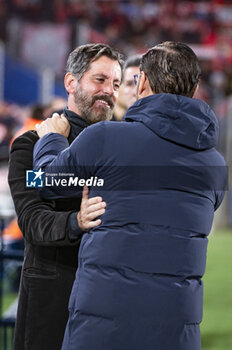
(138, 285)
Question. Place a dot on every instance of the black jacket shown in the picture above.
(49, 228)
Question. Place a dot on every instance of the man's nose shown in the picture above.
(108, 88)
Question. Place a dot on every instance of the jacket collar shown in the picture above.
(77, 123)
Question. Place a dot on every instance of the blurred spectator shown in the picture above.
(120, 107)
(36, 117)
(38, 113)
(7, 126)
(58, 104)
(131, 68)
(127, 91)
(12, 232)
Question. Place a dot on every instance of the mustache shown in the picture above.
(105, 98)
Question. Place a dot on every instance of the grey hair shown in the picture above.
(79, 60)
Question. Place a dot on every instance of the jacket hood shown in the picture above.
(183, 120)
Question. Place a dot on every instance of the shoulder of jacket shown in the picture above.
(28, 138)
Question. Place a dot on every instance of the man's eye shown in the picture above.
(116, 86)
(101, 80)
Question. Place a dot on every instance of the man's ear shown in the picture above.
(141, 86)
(70, 83)
(144, 88)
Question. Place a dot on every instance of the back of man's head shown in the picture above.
(79, 60)
(171, 67)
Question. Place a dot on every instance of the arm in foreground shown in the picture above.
(53, 154)
(37, 219)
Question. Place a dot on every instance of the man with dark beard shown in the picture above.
(92, 81)
(53, 230)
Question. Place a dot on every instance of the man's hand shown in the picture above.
(90, 210)
(58, 123)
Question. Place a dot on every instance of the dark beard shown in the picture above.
(85, 104)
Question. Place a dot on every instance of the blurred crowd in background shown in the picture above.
(39, 34)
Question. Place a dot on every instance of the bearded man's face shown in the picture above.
(97, 90)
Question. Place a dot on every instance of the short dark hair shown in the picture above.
(79, 60)
(133, 61)
(171, 67)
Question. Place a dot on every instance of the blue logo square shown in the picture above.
(34, 178)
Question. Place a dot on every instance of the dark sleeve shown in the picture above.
(82, 158)
(38, 221)
(74, 230)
